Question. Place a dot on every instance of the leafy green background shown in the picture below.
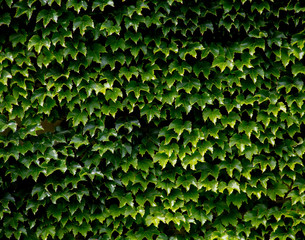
(152, 119)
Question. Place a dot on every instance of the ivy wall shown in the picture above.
(152, 119)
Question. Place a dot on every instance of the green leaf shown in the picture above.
(300, 184)
(245, 61)
(231, 119)
(155, 220)
(78, 117)
(264, 118)
(222, 63)
(23, 8)
(37, 42)
(201, 99)
(136, 87)
(247, 127)
(230, 166)
(5, 19)
(202, 66)
(233, 185)
(113, 94)
(45, 58)
(56, 210)
(163, 159)
(128, 73)
(18, 38)
(211, 185)
(150, 112)
(260, 7)
(213, 115)
(240, 141)
(79, 140)
(252, 44)
(190, 49)
(83, 23)
(47, 16)
(278, 188)
(250, 151)
(101, 4)
(179, 67)
(179, 126)
(237, 199)
(257, 33)
(6, 199)
(5, 75)
(255, 221)
(115, 43)
(60, 36)
(297, 68)
(77, 5)
(186, 181)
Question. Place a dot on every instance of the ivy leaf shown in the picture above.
(79, 140)
(23, 8)
(37, 42)
(83, 23)
(179, 126)
(128, 73)
(56, 211)
(213, 115)
(6, 199)
(113, 94)
(18, 38)
(240, 141)
(150, 112)
(101, 4)
(60, 36)
(233, 185)
(207, 170)
(211, 185)
(202, 66)
(115, 44)
(136, 87)
(190, 49)
(186, 181)
(230, 166)
(5, 19)
(47, 16)
(5, 75)
(297, 68)
(237, 199)
(94, 52)
(231, 119)
(83, 229)
(247, 127)
(252, 44)
(179, 67)
(161, 158)
(77, 5)
(44, 232)
(45, 58)
(155, 220)
(263, 117)
(78, 117)
(222, 63)
(300, 184)
(277, 188)
(256, 33)
(250, 151)
(260, 7)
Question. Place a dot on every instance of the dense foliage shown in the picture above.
(152, 119)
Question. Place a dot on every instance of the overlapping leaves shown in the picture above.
(151, 119)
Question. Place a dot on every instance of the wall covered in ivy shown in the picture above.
(152, 119)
